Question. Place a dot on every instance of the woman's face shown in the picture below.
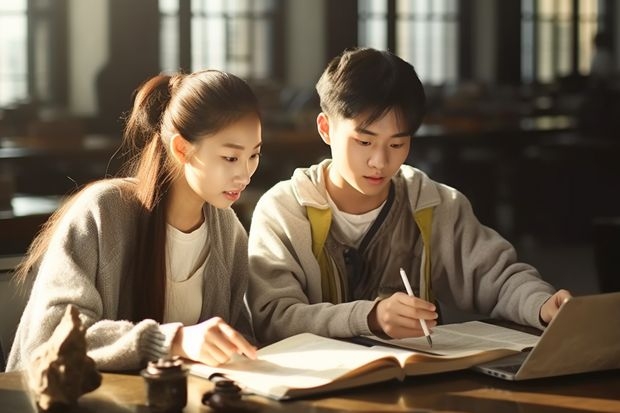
(221, 164)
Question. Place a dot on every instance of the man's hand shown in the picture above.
(212, 342)
(399, 316)
(551, 307)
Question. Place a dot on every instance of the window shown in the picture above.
(33, 64)
(372, 23)
(589, 14)
(13, 52)
(426, 34)
(169, 35)
(237, 36)
(549, 30)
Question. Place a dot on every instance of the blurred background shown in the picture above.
(523, 103)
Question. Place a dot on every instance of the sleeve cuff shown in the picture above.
(362, 328)
(157, 341)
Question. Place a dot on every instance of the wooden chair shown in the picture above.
(13, 299)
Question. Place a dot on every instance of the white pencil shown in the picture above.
(403, 275)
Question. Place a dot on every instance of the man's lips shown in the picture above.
(375, 179)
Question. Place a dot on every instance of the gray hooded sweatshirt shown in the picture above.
(472, 267)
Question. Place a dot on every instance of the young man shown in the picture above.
(326, 246)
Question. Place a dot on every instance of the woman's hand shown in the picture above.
(211, 342)
(399, 316)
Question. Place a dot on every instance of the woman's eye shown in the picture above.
(397, 145)
(256, 156)
(230, 158)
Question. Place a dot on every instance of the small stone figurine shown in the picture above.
(59, 371)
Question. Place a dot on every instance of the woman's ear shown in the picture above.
(180, 148)
(322, 125)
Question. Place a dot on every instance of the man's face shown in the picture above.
(363, 159)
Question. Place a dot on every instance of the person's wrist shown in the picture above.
(176, 347)
(542, 320)
(543, 313)
(373, 322)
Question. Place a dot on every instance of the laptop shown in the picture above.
(584, 336)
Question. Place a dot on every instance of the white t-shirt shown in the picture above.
(353, 226)
(186, 256)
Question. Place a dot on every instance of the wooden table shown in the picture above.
(464, 391)
(20, 223)
(55, 166)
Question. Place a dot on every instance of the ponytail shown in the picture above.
(154, 171)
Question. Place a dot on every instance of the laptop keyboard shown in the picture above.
(511, 368)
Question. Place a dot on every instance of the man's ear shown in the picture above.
(180, 148)
(322, 125)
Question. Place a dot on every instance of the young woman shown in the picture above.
(156, 262)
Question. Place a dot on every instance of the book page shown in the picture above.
(464, 339)
(301, 361)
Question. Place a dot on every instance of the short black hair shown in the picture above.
(364, 80)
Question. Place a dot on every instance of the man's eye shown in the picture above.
(363, 143)
(397, 145)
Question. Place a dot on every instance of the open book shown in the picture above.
(307, 364)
